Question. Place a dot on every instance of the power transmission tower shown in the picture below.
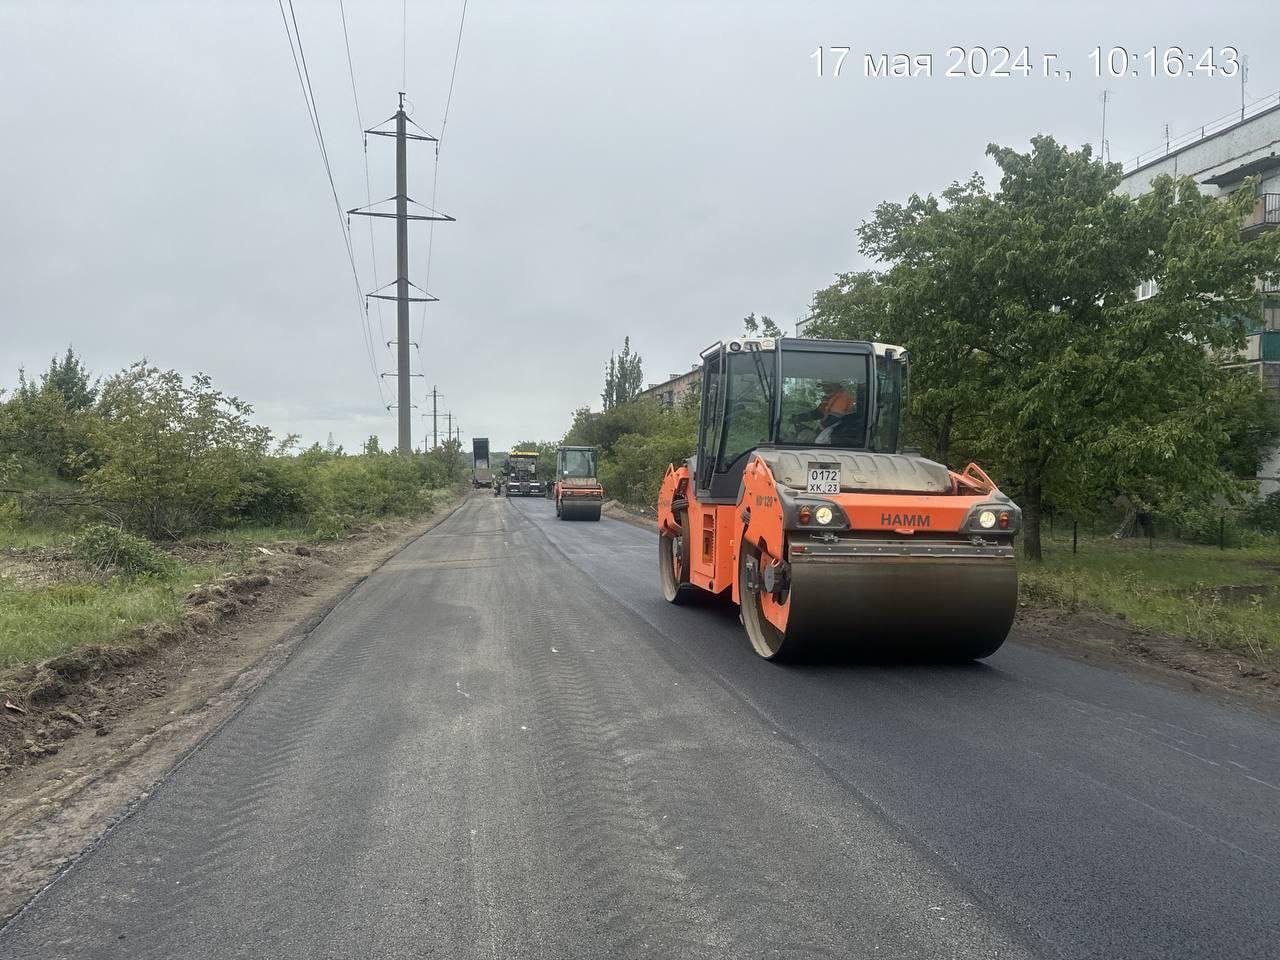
(435, 423)
(402, 216)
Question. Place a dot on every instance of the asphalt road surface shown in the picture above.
(506, 745)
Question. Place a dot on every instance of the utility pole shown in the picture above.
(402, 217)
(448, 433)
(435, 427)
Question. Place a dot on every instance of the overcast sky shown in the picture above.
(652, 169)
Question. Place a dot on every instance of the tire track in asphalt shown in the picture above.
(589, 800)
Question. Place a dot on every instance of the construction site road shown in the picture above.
(505, 744)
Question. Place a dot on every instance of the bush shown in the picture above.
(281, 491)
(10, 513)
(1264, 514)
(104, 547)
(175, 455)
(633, 472)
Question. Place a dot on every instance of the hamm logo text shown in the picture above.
(904, 519)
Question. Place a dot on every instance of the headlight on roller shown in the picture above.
(987, 519)
(823, 515)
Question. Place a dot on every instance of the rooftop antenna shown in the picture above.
(1244, 79)
(1103, 150)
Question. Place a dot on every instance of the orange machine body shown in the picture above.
(718, 530)
(577, 497)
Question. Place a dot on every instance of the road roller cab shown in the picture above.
(577, 492)
(798, 506)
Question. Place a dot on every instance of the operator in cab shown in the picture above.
(835, 414)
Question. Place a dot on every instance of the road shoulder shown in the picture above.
(136, 720)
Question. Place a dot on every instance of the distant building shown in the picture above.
(1219, 156)
(674, 388)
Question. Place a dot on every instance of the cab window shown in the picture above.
(577, 464)
(748, 401)
(824, 399)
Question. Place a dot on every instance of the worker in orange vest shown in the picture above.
(836, 402)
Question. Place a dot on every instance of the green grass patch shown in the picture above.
(44, 622)
(254, 536)
(22, 537)
(1224, 599)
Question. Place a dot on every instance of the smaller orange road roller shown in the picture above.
(578, 494)
(798, 506)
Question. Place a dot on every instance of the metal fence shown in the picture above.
(1225, 122)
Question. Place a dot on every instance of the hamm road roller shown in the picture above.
(798, 506)
(576, 490)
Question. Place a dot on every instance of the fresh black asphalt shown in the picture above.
(505, 744)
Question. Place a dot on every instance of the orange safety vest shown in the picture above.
(839, 404)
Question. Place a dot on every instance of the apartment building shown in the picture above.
(1220, 156)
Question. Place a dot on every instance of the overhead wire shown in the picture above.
(368, 189)
(308, 96)
(435, 175)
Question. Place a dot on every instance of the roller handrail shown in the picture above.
(974, 477)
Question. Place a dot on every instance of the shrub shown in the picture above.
(633, 472)
(10, 513)
(1264, 514)
(104, 547)
(175, 456)
(281, 490)
(331, 526)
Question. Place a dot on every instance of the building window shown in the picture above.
(1147, 290)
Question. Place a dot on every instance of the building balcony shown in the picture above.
(1264, 216)
(1263, 345)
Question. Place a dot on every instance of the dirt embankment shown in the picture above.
(1085, 634)
(86, 734)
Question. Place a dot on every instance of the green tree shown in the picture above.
(1019, 311)
(176, 457)
(623, 377)
(760, 326)
(69, 378)
(42, 435)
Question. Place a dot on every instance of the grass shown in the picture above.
(44, 622)
(1224, 599)
(21, 536)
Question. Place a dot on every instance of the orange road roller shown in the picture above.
(798, 506)
(578, 494)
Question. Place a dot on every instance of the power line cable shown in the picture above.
(368, 189)
(435, 175)
(308, 96)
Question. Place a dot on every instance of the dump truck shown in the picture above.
(577, 492)
(481, 474)
(798, 506)
(522, 475)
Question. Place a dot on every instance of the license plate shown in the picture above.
(824, 478)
